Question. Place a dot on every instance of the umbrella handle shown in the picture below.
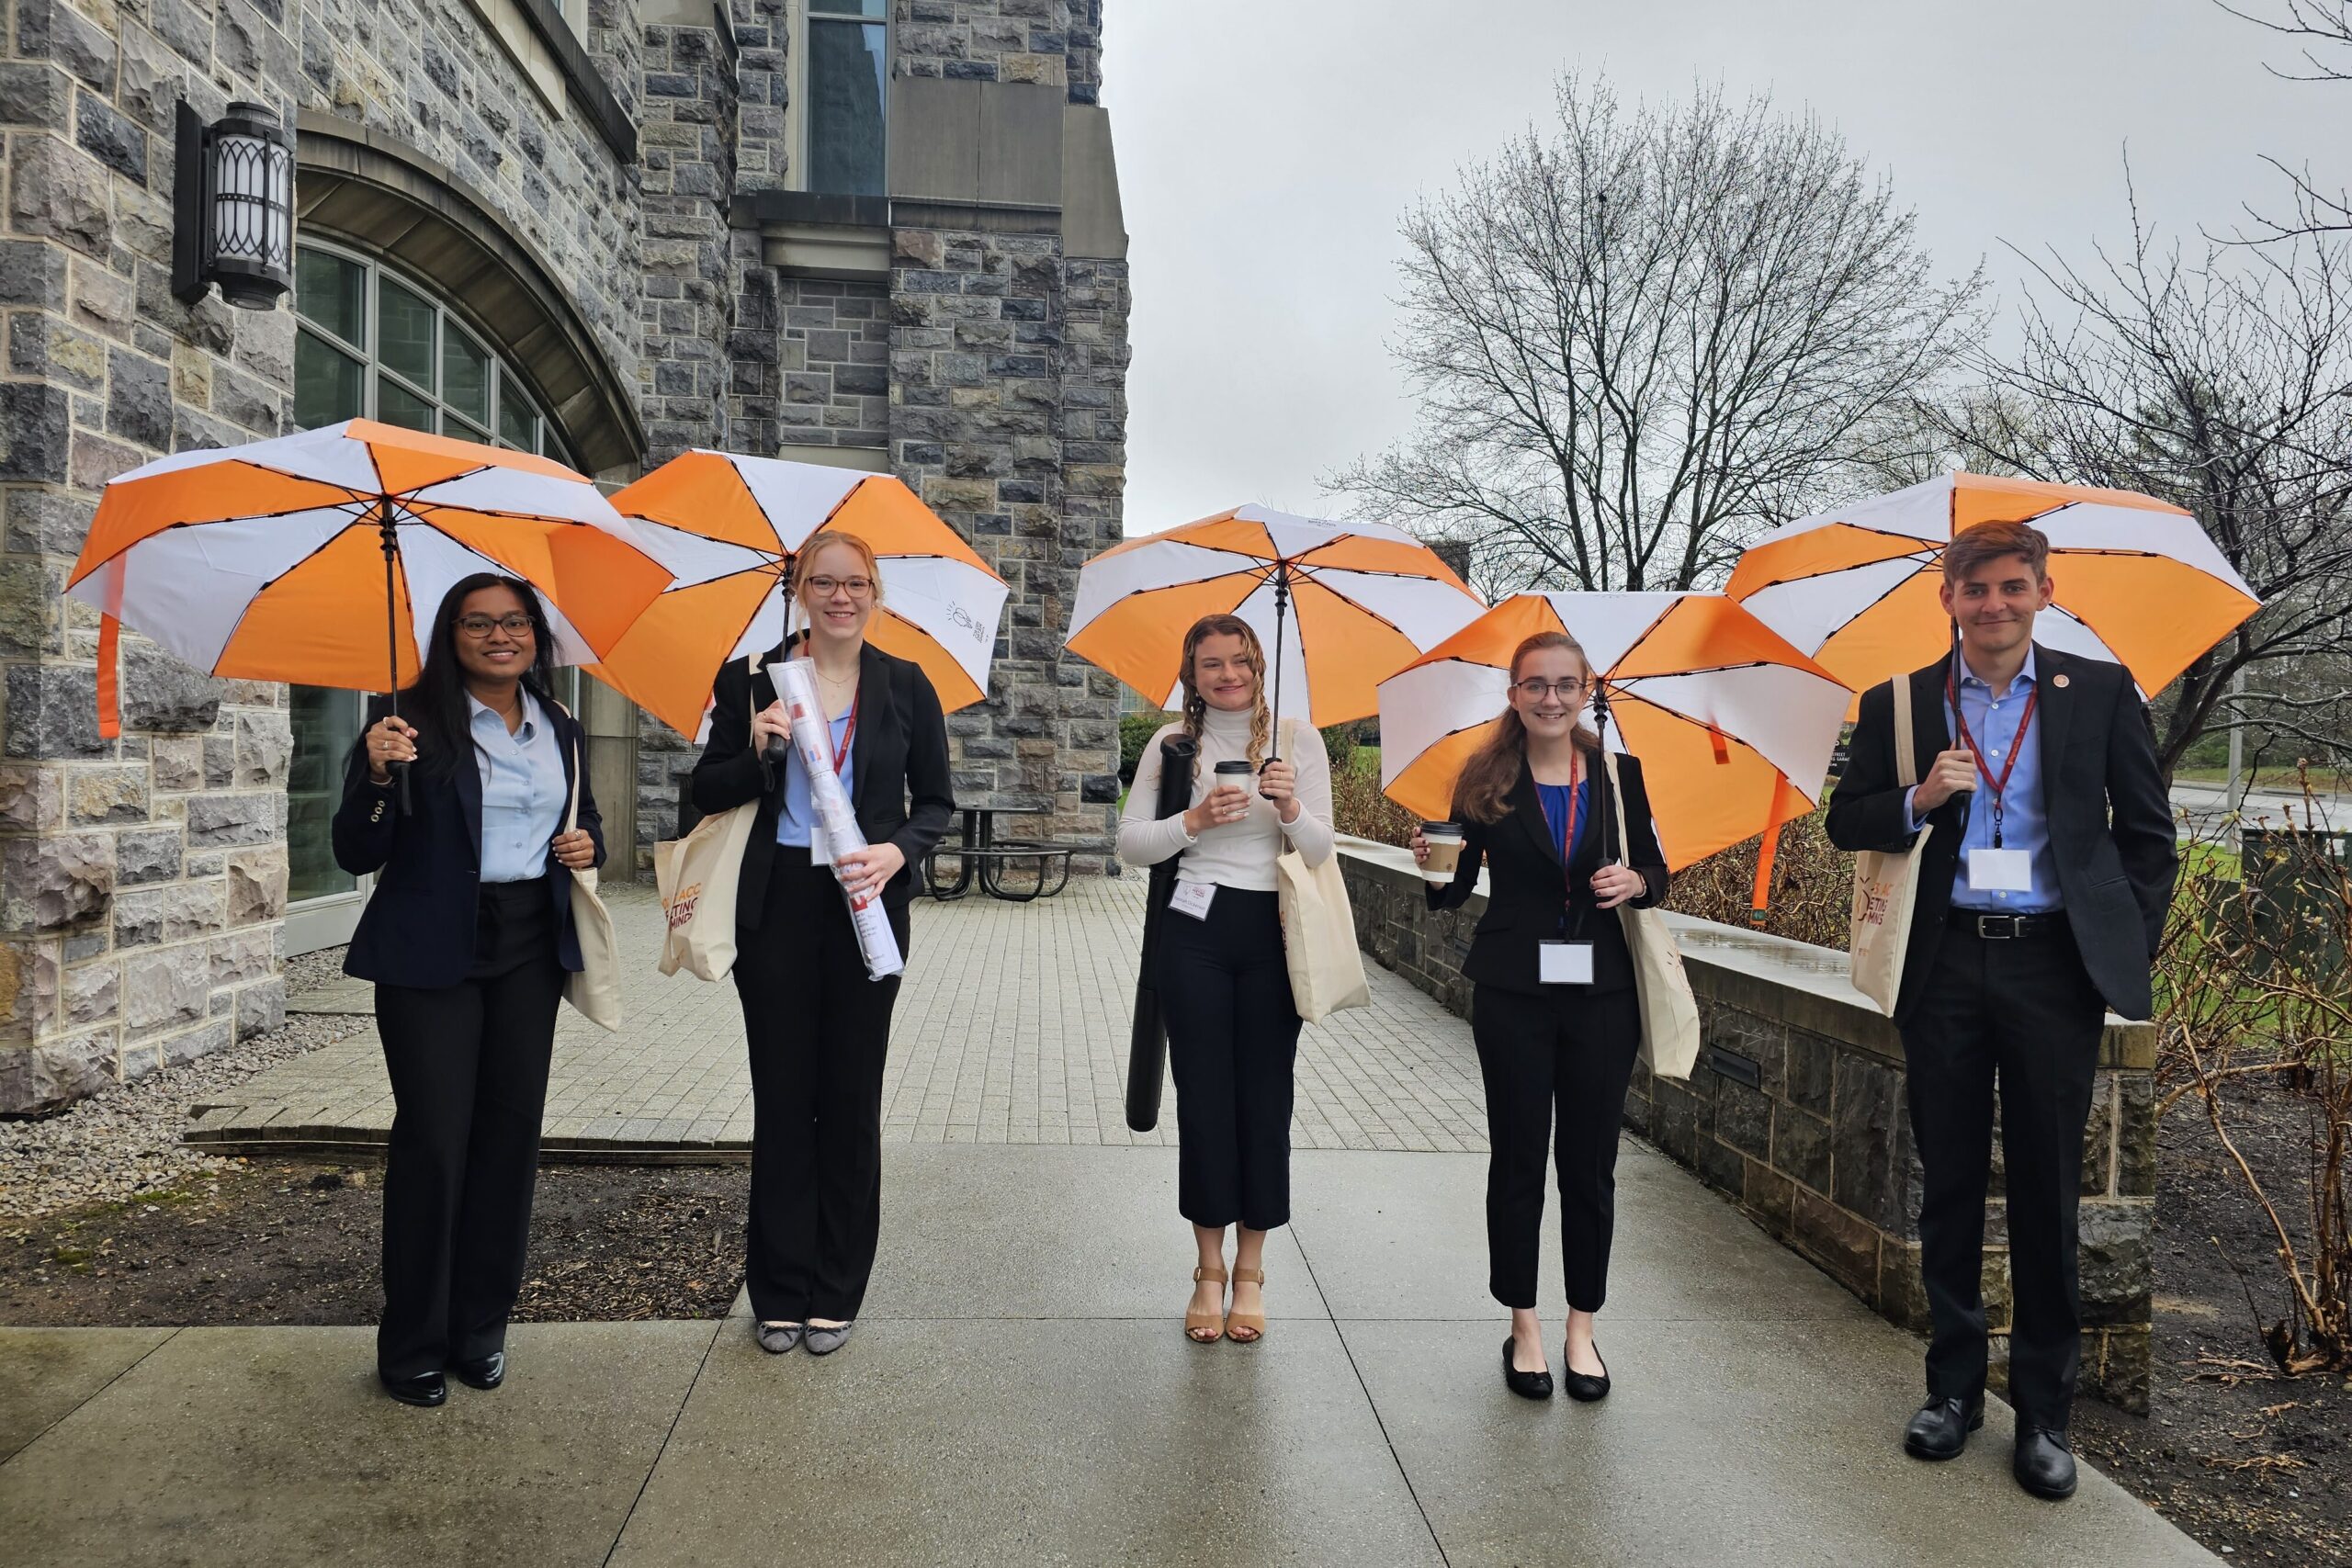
(1274, 722)
(401, 788)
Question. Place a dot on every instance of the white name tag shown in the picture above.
(1193, 899)
(2000, 871)
(1563, 963)
(821, 846)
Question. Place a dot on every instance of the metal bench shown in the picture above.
(981, 857)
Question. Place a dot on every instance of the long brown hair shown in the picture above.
(1253, 654)
(1493, 770)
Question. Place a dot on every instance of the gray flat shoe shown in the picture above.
(777, 1338)
(825, 1341)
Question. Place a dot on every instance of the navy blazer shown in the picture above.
(903, 793)
(1530, 890)
(2111, 830)
(418, 929)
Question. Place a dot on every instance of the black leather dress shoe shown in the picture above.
(1527, 1385)
(2044, 1464)
(1940, 1429)
(1580, 1388)
(426, 1389)
(486, 1373)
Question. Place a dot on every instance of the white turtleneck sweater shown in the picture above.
(1231, 854)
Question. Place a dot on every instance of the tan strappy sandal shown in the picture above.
(1247, 1328)
(1205, 1327)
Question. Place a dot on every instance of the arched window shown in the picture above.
(373, 343)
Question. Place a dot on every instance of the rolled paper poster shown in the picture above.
(812, 737)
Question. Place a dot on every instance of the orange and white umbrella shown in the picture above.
(268, 561)
(729, 528)
(1732, 725)
(2135, 580)
(1338, 605)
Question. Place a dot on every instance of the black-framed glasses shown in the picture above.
(1535, 690)
(824, 587)
(517, 625)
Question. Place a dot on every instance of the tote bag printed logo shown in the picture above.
(681, 909)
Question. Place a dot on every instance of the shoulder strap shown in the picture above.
(1608, 766)
(1906, 750)
(571, 813)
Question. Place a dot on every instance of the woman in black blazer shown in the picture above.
(468, 937)
(818, 1026)
(1554, 1013)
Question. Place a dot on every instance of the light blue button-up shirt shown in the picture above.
(2025, 820)
(794, 823)
(524, 792)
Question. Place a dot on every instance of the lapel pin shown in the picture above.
(2059, 682)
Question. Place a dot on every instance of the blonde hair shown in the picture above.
(1492, 772)
(1253, 654)
(804, 567)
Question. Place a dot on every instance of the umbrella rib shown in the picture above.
(1360, 609)
(1681, 717)
(270, 582)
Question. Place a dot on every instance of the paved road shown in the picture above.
(1020, 1392)
(2207, 805)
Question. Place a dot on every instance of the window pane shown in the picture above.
(848, 7)
(846, 68)
(517, 420)
(333, 293)
(405, 332)
(326, 726)
(464, 431)
(395, 404)
(465, 375)
(328, 384)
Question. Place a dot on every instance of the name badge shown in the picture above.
(2000, 871)
(820, 843)
(1193, 899)
(1563, 963)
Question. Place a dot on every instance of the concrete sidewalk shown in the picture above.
(1020, 1392)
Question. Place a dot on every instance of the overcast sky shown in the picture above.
(1267, 148)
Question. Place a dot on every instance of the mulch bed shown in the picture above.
(2253, 1464)
(284, 1242)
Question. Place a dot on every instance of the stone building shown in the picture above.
(880, 233)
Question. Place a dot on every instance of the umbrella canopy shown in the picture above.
(1732, 725)
(2136, 582)
(270, 561)
(1337, 604)
(729, 529)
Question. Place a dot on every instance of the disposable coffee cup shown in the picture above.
(1445, 851)
(1239, 772)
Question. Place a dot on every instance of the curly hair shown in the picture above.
(1253, 654)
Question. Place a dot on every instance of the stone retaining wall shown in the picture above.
(1797, 1113)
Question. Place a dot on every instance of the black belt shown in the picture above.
(2007, 927)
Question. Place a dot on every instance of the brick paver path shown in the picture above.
(1012, 1027)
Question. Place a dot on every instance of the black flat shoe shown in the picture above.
(486, 1373)
(1580, 1388)
(425, 1391)
(2044, 1463)
(1940, 1429)
(1527, 1385)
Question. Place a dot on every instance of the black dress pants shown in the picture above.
(1567, 1051)
(818, 1032)
(1232, 1046)
(469, 1066)
(2024, 1013)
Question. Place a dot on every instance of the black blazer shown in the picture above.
(901, 754)
(1525, 895)
(419, 926)
(2110, 819)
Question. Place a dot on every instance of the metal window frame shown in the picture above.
(803, 20)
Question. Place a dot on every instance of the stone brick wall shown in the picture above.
(762, 160)
(833, 363)
(1817, 1150)
(991, 41)
(686, 307)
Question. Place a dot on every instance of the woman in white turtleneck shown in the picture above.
(1223, 984)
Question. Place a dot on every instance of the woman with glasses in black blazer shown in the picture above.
(1554, 1014)
(468, 937)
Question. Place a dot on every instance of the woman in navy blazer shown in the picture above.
(468, 937)
(1555, 1017)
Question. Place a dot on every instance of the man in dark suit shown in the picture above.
(2042, 898)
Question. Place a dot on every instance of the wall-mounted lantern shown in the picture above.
(233, 207)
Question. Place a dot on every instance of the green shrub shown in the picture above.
(1136, 730)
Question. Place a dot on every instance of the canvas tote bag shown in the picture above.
(1318, 926)
(595, 991)
(697, 876)
(1669, 1012)
(1886, 885)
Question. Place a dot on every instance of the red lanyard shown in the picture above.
(2025, 728)
(840, 752)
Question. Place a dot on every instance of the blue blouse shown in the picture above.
(1556, 813)
(799, 818)
(524, 791)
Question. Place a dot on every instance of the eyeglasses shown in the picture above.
(517, 624)
(824, 587)
(1535, 690)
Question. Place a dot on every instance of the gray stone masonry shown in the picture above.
(1817, 1151)
(1003, 41)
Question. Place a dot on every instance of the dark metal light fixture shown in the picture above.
(233, 207)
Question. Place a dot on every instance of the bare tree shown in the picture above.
(1643, 334)
(2220, 382)
(2323, 29)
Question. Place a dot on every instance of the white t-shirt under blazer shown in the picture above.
(1231, 854)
